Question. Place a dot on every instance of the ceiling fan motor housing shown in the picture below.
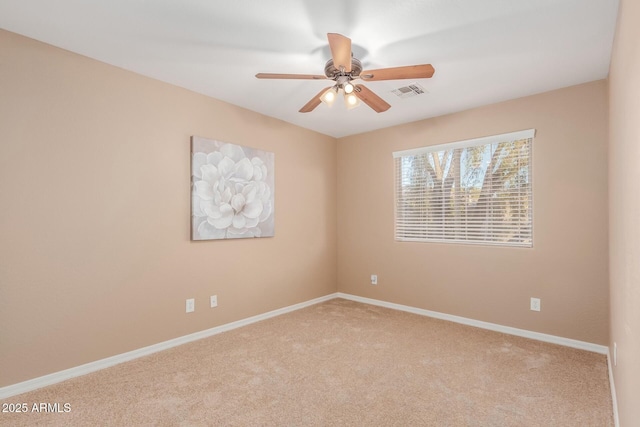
(333, 73)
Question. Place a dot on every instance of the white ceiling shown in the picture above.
(483, 51)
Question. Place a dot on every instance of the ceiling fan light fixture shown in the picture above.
(343, 68)
(348, 88)
(351, 101)
(329, 96)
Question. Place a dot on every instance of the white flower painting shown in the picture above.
(232, 191)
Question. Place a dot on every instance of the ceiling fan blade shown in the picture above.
(290, 76)
(371, 99)
(340, 51)
(396, 73)
(314, 102)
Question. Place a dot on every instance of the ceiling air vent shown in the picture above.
(408, 91)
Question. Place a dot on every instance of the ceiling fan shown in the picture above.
(343, 68)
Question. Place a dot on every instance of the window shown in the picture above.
(476, 191)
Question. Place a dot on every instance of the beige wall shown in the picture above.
(624, 209)
(567, 268)
(95, 256)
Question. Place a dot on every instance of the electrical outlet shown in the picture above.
(214, 301)
(374, 279)
(535, 304)
(191, 305)
(615, 354)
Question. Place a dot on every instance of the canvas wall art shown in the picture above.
(232, 191)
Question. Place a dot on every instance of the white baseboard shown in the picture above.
(87, 368)
(612, 386)
(582, 345)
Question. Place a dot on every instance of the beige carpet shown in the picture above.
(341, 363)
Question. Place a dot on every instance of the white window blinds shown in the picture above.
(476, 191)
